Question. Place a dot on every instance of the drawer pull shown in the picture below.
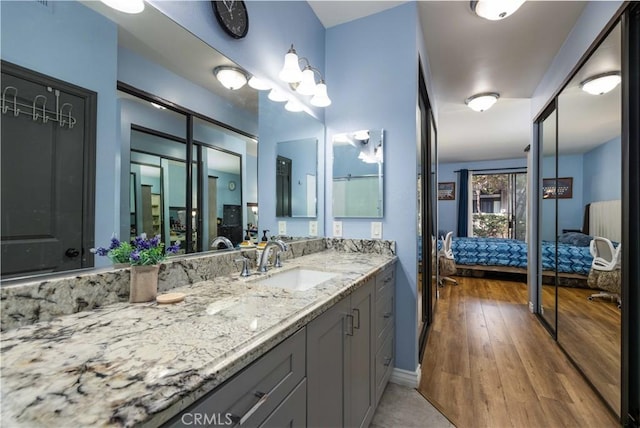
(389, 278)
(357, 322)
(262, 398)
(388, 314)
(349, 331)
(387, 361)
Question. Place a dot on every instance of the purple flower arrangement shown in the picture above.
(141, 251)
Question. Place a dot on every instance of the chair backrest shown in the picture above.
(605, 256)
(446, 246)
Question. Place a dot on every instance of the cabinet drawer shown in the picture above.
(384, 314)
(384, 364)
(292, 412)
(385, 279)
(251, 395)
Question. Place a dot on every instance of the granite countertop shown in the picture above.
(128, 364)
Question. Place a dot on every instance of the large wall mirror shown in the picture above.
(358, 179)
(581, 218)
(173, 67)
(296, 178)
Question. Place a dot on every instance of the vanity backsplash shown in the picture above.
(29, 301)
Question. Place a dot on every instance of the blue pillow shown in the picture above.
(576, 239)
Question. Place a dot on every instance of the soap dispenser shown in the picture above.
(264, 235)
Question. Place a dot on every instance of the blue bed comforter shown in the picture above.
(513, 253)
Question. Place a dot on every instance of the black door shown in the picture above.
(43, 175)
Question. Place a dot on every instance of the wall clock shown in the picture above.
(232, 16)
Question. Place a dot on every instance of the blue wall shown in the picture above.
(45, 39)
(603, 172)
(448, 210)
(387, 98)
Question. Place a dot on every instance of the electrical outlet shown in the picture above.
(337, 229)
(313, 228)
(282, 228)
(376, 230)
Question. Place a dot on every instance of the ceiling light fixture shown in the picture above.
(304, 81)
(495, 10)
(158, 106)
(230, 77)
(258, 84)
(601, 83)
(482, 102)
(126, 6)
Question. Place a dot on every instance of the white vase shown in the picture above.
(144, 283)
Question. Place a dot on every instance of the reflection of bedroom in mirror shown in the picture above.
(589, 223)
(357, 174)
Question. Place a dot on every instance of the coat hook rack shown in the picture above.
(38, 108)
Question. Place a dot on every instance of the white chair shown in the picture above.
(606, 259)
(447, 253)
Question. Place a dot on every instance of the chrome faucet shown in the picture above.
(221, 240)
(264, 258)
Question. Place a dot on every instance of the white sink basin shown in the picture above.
(298, 279)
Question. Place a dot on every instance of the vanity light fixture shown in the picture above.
(230, 77)
(258, 84)
(495, 10)
(294, 106)
(304, 81)
(126, 6)
(601, 83)
(482, 102)
(277, 96)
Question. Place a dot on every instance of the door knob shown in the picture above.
(72, 252)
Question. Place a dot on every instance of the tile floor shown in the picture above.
(403, 407)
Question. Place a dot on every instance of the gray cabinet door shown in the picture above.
(291, 412)
(326, 353)
(359, 383)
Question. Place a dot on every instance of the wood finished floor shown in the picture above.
(490, 363)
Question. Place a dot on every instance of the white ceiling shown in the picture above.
(469, 55)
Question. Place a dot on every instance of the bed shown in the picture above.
(512, 253)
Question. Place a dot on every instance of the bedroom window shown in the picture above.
(499, 205)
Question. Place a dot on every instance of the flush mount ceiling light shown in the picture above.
(126, 6)
(158, 106)
(601, 83)
(482, 102)
(230, 77)
(258, 84)
(304, 81)
(495, 10)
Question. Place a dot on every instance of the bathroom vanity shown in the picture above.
(235, 348)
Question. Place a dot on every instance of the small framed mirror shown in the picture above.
(297, 178)
(358, 159)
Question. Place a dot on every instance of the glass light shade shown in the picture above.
(602, 83)
(293, 105)
(230, 77)
(307, 85)
(258, 84)
(126, 6)
(495, 10)
(320, 98)
(291, 72)
(482, 102)
(277, 96)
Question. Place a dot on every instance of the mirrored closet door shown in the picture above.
(588, 199)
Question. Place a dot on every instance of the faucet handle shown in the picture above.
(245, 266)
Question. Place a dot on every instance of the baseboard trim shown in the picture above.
(406, 377)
